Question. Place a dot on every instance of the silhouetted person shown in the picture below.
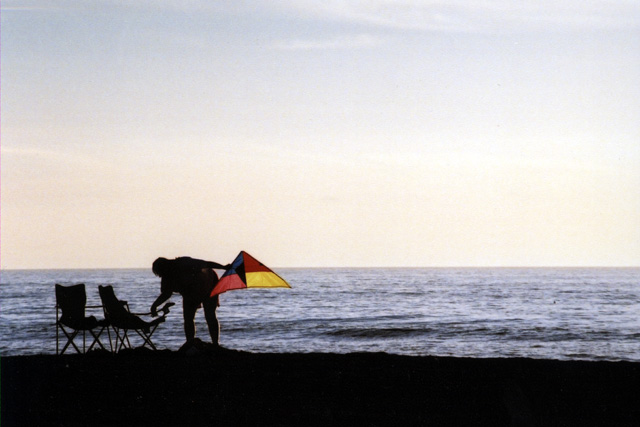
(193, 279)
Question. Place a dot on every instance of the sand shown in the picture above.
(165, 388)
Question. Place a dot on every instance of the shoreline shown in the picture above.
(167, 388)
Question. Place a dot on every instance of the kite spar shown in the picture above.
(248, 272)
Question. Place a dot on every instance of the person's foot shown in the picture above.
(192, 346)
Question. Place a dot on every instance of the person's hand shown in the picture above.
(154, 313)
(228, 266)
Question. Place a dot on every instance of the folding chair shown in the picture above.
(122, 320)
(71, 302)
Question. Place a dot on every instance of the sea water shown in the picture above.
(554, 313)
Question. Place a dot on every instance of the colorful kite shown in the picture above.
(248, 272)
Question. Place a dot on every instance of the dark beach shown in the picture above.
(167, 388)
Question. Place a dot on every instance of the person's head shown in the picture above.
(161, 267)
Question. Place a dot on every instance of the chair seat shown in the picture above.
(81, 324)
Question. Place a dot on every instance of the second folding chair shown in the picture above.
(122, 320)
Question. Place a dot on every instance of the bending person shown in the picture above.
(194, 279)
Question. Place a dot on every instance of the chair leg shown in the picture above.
(114, 349)
(70, 340)
(126, 335)
(96, 339)
(119, 340)
(122, 339)
(109, 335)
(147, 338)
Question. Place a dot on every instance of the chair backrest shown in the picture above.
(113, 307)
(72, 301)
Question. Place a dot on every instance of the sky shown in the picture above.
(320, 134)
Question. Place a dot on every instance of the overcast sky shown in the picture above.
(333, 133)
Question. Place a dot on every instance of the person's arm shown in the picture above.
(162, 298)
(190, 264)
(215, 265)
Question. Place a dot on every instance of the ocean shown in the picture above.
(550, 313)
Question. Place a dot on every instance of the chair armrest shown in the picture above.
(164, 309)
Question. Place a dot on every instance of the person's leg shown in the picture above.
(210, 306)
(189, 308)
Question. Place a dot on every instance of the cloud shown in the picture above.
(45, 154)
(417, 15)
(357, 41)
(27, 6)
(467, 15)
(150, 5)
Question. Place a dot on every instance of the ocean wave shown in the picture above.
(377, 332)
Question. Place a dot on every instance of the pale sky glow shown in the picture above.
(335, 133)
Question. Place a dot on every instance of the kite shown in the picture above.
(248, 272)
